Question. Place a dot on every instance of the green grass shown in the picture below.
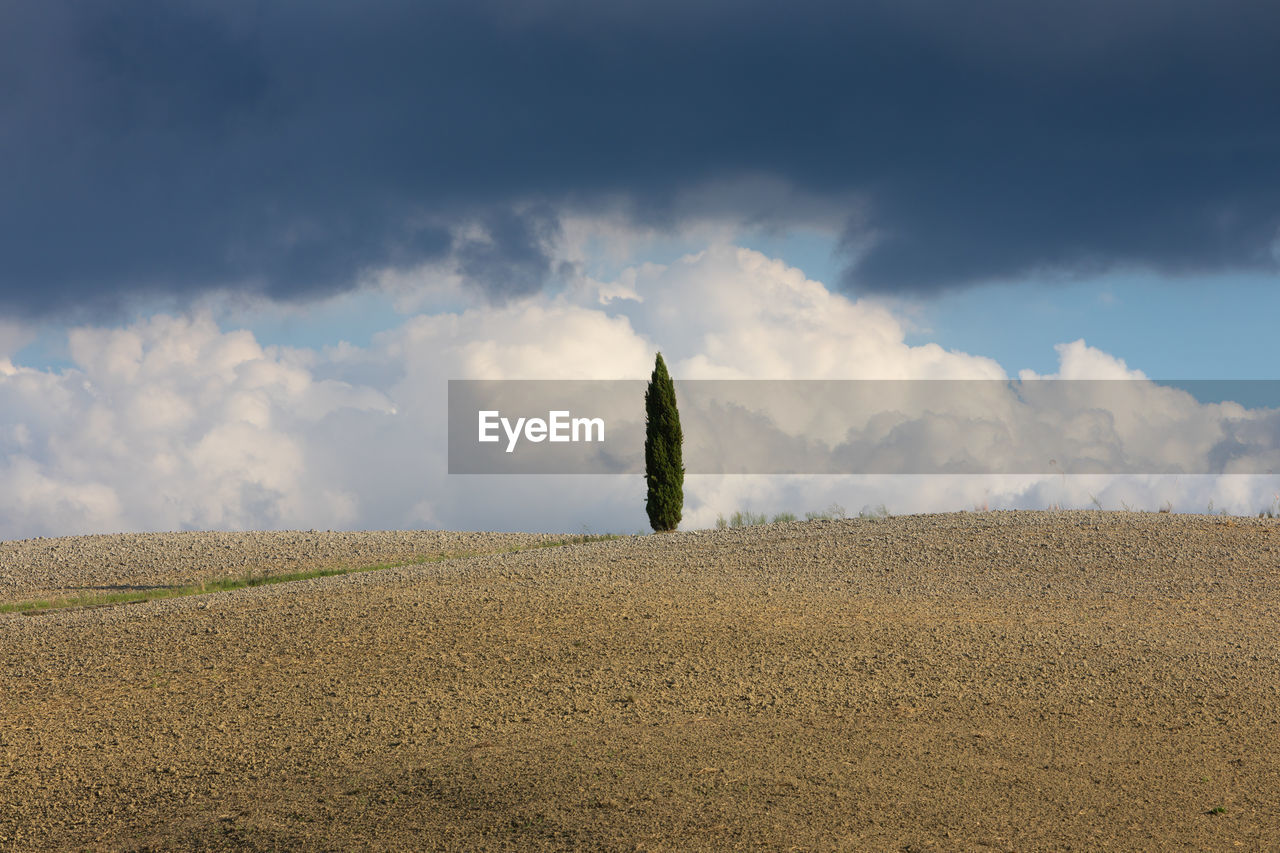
(742, 518)
(747, 518)
(100, 599)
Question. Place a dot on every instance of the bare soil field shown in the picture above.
(76, 565)
(988, 681)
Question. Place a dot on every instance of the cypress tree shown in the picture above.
(663, 459)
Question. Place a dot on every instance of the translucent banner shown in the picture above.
(1039, 426)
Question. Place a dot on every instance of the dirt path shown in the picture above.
(995, 681)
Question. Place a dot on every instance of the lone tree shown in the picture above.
(663, 460)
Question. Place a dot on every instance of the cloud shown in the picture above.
(733, 313)
(1078, 360)
(173, 423)
(167, 148)
(13, 337)
(169, 424)
(511, 255)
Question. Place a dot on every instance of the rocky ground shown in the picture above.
(74, 565)
(989, 681)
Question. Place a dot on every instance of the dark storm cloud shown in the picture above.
(174, 146)
(512, 259)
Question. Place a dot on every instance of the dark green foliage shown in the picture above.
(663, 456)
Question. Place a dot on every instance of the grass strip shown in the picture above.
(102, 599)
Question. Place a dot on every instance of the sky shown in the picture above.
(244, 246)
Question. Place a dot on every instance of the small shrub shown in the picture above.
(877, 512)
(831, 513)
(747, 518)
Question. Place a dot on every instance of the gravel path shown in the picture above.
(991, 681)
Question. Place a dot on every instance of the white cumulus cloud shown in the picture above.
(174, 423)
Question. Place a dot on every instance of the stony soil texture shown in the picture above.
(32, 569)
(986, 681)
